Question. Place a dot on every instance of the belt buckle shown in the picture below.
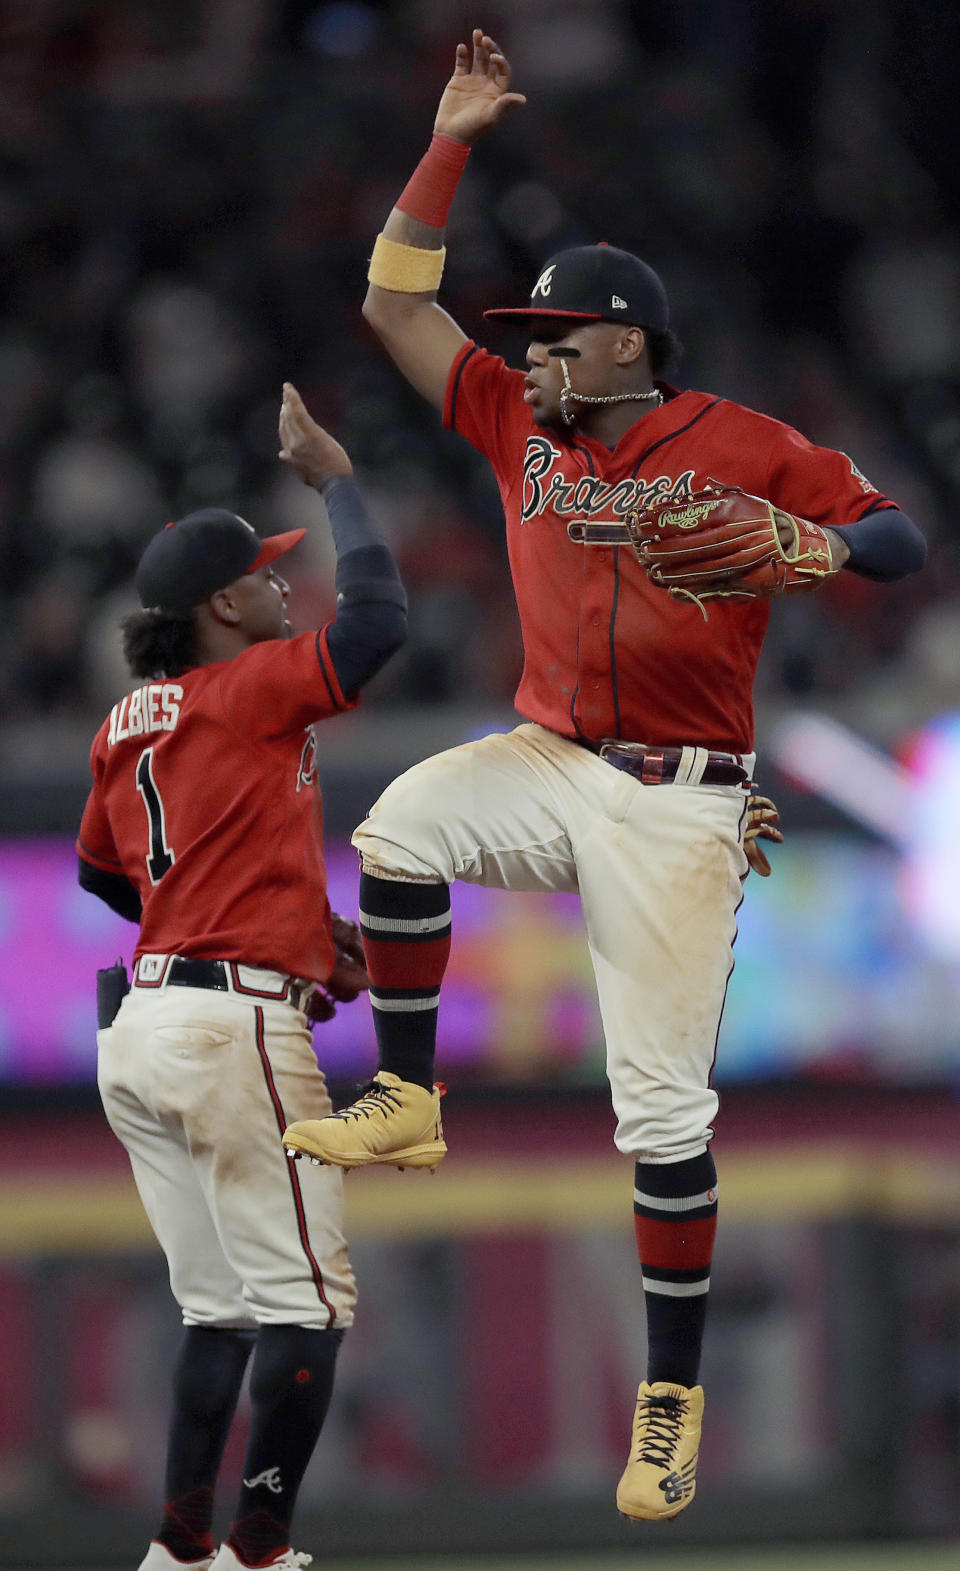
(151, 970)
(651, 762)
(651, 772)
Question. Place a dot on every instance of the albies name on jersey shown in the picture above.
(155, 707)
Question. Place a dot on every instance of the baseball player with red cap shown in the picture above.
(204, 825)
(643, 612)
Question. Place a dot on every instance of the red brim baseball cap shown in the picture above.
(594, 283)
(274, 546)
(523, 313)
(193, 557)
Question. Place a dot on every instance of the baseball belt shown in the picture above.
(222, 976)
(663, 765)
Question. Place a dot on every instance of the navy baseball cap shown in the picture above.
(193, 557)
(595, 283)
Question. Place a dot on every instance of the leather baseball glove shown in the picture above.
(721, 542)
(762, 821)
(349, 977)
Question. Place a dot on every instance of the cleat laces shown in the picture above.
(376, 1098)
(661, 1424)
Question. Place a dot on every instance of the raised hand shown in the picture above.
(306, 446)
(477, 94)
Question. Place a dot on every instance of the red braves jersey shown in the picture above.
(204, 796)
(607, 653)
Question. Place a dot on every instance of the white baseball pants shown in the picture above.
(199, 1085)
(660, 872)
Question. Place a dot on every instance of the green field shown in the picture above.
(941, 1557)
(890, 1557)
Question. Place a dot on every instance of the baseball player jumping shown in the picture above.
(647, 529)
(204, 825)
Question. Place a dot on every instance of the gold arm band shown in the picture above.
(405, 268)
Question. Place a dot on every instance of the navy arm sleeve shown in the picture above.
(113, 888)
(371, 619)
(884, 545)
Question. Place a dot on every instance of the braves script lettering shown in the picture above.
(547, 488)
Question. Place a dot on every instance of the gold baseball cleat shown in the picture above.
(394, 1123)
(660, 1478)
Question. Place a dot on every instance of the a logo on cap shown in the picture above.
(618, 304)
(542, 285)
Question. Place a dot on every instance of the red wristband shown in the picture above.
(430, 190)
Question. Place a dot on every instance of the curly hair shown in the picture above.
(158, 643)
(664, 348)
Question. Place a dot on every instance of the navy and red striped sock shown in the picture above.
(675, 1218)
(406, 943)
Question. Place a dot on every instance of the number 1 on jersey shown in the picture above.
(161, 858)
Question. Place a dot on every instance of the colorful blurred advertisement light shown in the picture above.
(833, 979)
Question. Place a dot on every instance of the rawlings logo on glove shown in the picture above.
(721, 542)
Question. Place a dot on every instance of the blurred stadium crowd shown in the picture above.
(190, 194)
